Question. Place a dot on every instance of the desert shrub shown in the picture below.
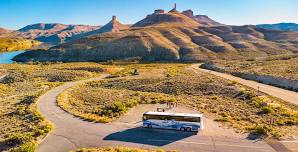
(15, 76)
(4, 89)
(89, 69)
(215, 98)
(64, 76)
(118, 108)
(262, 130)
(222, 119)
(260, 101)
(18, 139)
(26, 147)
(266, 110)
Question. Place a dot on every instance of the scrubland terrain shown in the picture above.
(277, 66)
(21, 124)
(13, 44)
(120, 149)
(227, 102)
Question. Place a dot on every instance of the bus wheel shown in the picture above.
(182, 129)
(188, 129)
(149, 126)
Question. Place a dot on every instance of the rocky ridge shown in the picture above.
(172, 36)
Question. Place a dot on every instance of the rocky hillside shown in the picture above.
(161, 17)
(172, 36)
(202, 19)
(113, 26)
(280, 26)
(53, 33)
(4, 31)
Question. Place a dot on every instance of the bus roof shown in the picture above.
(173, 114)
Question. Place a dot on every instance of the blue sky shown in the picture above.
(15, 14)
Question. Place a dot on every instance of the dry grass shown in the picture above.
(119, 149)
(21, 123)
(228, 102)
(277, 66)
(93, 103)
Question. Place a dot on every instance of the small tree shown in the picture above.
(135, 72)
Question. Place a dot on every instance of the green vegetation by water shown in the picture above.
(14, 44)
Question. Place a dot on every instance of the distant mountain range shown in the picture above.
(53, 33)
(280, 26)
(171, 36)
(47, 33)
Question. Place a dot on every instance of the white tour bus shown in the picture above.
(177, 121)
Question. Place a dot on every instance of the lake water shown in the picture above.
(6, 57)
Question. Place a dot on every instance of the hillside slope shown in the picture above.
(4, 31)
(113, 26)
(53, 33)
(13, 44)
(202, 19)
(175, 37)
(160, 16)
(280, 26)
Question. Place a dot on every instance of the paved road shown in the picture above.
(286, 95)
(72, 133)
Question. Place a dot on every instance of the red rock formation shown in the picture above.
(202, 19)
(113, 26)
(4, 31)
(188, 13)
(53, 33)
(159, 17)
(174, 10)
(159, 11)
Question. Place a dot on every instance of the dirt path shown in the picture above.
(71, 133)
(286, 95)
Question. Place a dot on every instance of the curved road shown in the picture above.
(286, 95)
(71, 133)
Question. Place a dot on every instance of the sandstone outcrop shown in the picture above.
(113, 26)
(202, 19)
